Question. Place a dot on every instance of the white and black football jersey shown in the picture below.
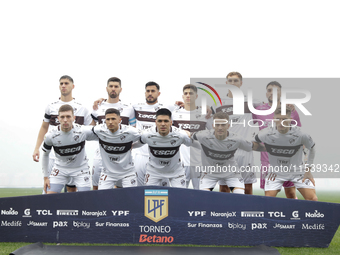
(241, 124)
(220, 152)
(285, 149)
(68, 146)
(146, 118)
(127, 113)
(82, 114)
(192, 121)
(164, 150)
(115, 148)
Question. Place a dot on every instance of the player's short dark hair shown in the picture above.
(221, 115)
(279, 111)
(65, 108)
(66, 77)
(163, 111)
(274, 83)
(190, 86)
(235, 73)
(111, 111)
(152, 83)
(114, 79)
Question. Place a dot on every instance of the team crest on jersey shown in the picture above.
(198, 116)
(229, 145)
(157, 108)
(154, 142)
(76, 137)
(173, 142)
(292, 140)
(156, 204)
(120, 109)
(122, 137)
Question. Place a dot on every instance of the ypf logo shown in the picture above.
(156, 204)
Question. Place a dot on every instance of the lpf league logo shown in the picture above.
(156, 204)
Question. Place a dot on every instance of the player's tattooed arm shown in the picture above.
(97, 102)
(258, 146)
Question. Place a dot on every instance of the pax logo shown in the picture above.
(60, 224)
(258, 226)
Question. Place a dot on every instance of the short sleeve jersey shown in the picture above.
(164, 150)
(220, 152)
(146, 117)
(192, 121)
(69, 146)
(241, 124)
(265, 121)
(82, 114)
(285, 150)
(115, 148)
(127, 113)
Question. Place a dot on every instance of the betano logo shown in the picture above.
(156, 204)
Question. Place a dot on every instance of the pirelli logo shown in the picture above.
(156, 204)
(67, 212)
(252, 214)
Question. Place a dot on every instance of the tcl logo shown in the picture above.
(276, 214)
(44, 212)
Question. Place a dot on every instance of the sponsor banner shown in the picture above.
(160, 215)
